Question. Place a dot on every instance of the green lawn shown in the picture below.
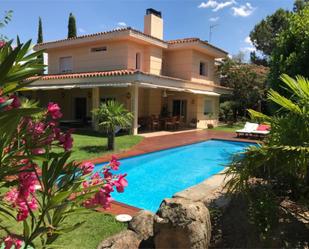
(90, 144)
(97, 227)
(229, 128)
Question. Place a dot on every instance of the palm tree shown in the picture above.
(284, 156)
(110, 116)
(278, 168)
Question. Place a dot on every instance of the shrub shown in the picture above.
(41, 188)
(282, 161)
(227, 111)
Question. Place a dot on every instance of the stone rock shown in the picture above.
(185, 224)
(142, 224)
(126, 239)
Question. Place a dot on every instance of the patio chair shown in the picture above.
(154, 123)
(171, 123)
(179, 121)
(247, 130)
(193, 123)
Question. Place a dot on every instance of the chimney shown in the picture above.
(153, 23)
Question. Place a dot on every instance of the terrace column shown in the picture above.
(95, 104)
(134, 108)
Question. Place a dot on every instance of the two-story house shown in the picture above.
(139, 69)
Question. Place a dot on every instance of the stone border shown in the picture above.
(206, 190)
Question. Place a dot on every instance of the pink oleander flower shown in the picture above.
(38, 151)
(2, 100)
(107, 174)
(87, 168)
(108, 188)
(11, 196)
(96, 179)
(16, 101)
(2, 44)
(22, 213)
(22, 198)
(66, 140)
(100, 198)
(27, 183)
(39, 128)
(114, 163)
(121, 183)
(52, 123)
(54, 110)
(104, 199)
(85, 184)
(11, 241)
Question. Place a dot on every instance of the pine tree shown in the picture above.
(40, 31)
(72, 26)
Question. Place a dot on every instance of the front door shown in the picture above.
(180, 108)
(80, 108)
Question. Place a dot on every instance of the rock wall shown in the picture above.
(179, 223)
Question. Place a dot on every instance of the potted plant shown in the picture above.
(209, 124)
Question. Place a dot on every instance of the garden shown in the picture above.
(50, 193)
(268, 185)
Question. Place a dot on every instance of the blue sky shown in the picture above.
(190, 18)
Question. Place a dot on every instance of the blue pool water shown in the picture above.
(158, 175)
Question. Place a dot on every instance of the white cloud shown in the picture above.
(243, 10)
(215, 5)
(248, 49)
(81, 30)
(224, 5)
(121, 24)
(214, 19)
(248, 40)
(209, 4)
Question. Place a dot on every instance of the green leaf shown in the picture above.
(26, 229)
(59, 198)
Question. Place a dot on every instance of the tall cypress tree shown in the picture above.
(40, 31)
(40, 40)
(72, 26)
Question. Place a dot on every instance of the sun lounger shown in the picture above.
(248, 129)
(261, 131)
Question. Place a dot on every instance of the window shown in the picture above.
(138, 61)
(106, 99)
(203, 69)
(208, 107)
(99, 49)
(65, 64)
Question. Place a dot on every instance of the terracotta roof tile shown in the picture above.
(170, 42)
(84, 74)
(101, 33)
(109, 73)
(184, 40)
(193, 39)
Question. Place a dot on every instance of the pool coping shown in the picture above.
(198, 192)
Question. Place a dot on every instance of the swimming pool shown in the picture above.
(158, 175)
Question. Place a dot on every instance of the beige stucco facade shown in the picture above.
(150, 102)
(138, 69)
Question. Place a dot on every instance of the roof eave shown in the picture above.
(214, 51)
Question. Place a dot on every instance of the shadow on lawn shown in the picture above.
(94, 149)
(88, 132)
(92, 133)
